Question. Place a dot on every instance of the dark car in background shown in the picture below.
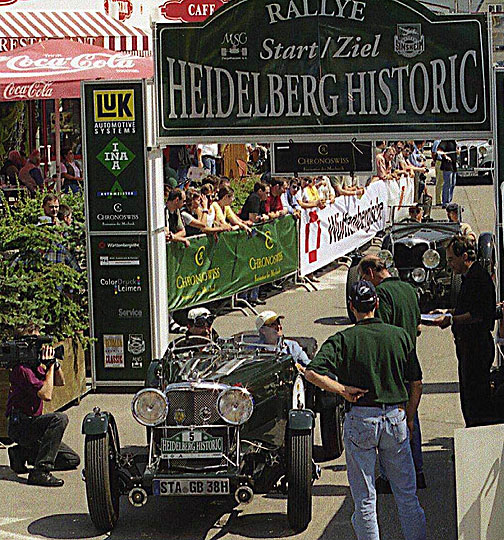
(223, 420)
(416, 252)
(475, 162)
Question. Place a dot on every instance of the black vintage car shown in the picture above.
(416, 252)
(222, 419)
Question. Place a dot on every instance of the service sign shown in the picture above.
(270, 68)
(121, 306)
(322, 158)
(115, 156)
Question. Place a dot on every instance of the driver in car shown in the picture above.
(199, 323)
(269, 327)
(415, 213)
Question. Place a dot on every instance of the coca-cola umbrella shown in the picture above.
(54, 69)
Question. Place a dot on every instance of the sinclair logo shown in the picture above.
(190, 10)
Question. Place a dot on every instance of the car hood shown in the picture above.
(427, 232)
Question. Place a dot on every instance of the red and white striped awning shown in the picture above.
(21, 28)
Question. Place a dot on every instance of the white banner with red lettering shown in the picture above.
(401, 195)
(348, 223)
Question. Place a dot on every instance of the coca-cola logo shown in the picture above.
(35, 90)
(190, 10)
(19, 65)
(7, 2)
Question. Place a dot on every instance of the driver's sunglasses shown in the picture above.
(275, 324)
(204, 320)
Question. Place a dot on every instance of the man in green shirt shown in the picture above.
(398, 306)
(369, 365)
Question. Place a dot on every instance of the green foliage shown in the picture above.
(33, 289)
(242, 189)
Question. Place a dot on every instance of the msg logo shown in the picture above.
(113, 105)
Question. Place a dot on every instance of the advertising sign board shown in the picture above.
(121, 306)
(328, 69)
(322, 158)
(115, 165)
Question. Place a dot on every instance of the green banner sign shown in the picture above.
(218, 267)
(268, 68)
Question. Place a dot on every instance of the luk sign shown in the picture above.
(321, 68)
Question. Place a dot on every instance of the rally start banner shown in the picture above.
(215, 267)
(341, 227)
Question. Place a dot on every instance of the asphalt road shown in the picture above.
(29, 512)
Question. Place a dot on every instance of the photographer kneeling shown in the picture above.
(38, 436)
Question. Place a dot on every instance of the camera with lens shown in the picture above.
(27, 351)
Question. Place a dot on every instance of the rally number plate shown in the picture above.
(191, 486)
(193, 444)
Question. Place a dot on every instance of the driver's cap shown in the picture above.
(266, 317)
(198, 312)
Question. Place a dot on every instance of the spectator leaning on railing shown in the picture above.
(273, 206)
(254, 208)
(224, 215)
(289, 198)
(194, 216)
(175, 230)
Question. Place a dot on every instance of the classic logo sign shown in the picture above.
(113, 348)
(189, 10)
(409, 41)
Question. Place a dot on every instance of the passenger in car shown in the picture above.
(269, 326)
(454, 213)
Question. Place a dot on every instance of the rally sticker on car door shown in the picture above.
(191, 486)
(192, 444)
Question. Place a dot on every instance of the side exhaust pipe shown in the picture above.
(137, 497)
(244, 495)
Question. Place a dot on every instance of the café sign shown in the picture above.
(262, 68)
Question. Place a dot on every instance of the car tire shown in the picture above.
(352, 277)
(331, 431)
(299, 479)
(102, 481)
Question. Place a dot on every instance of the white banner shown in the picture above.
(400, 194)
(348, 223)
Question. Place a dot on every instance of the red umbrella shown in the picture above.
(54, 69)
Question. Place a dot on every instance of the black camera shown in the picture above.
(26, 351)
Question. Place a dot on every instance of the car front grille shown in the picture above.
(409, 257)
(192, 407)
(468, 156)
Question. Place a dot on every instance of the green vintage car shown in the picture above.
(222, 420)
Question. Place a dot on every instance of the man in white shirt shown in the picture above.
(207, 154)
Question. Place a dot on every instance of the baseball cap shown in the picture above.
(452, 207)
(172, 182)
(266, 317)
(363, 296)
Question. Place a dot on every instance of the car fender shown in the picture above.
(301, 420)
(97, 423)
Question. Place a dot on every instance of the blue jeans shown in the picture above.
(372, 431)
(209, 164)
(449, 181)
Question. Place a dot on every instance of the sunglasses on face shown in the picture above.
(295, 187)
(204, 320)
(274, 324)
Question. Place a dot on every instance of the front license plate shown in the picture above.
(195, 444)
(191, 486)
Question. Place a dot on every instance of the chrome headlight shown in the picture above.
(150, 407)
(235, 405)
(431, 259)
(387, 257)
(418, 275)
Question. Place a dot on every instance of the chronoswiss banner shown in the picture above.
(209, 269)
(267, 68)
(348, 223)
(115, 156)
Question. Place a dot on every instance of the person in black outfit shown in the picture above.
(472, 322)
(254, 207)
(38, 436)
(447, 151)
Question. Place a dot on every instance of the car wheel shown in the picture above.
(352, 277)
(331, 430)
(299, 480)
(102, 481)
